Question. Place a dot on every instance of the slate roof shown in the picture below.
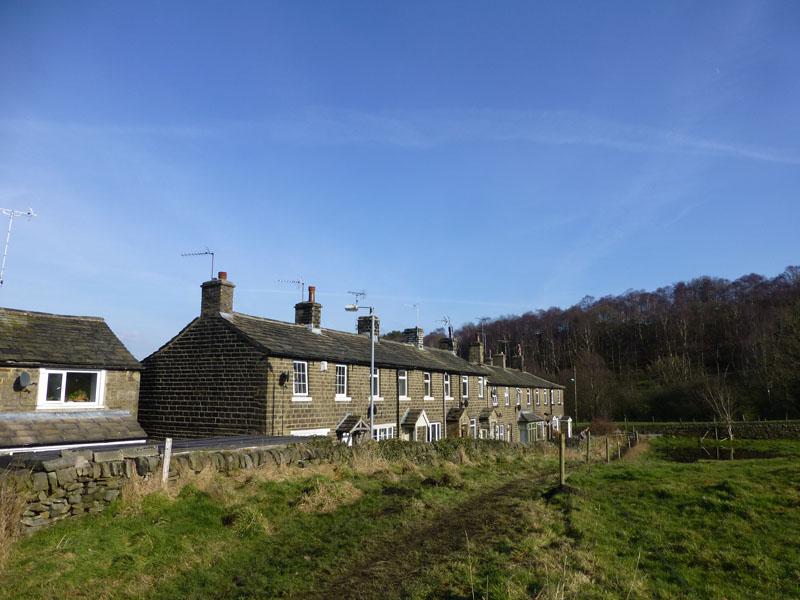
(517, 378)
(42, 339)
(278, 338)
(350, 422)
(528, 416)
(411, 417)
(67, 427)
(455, 414)
(485, 414)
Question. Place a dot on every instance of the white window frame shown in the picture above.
(383, 432)
(528, 390)
(507, 397)
(446, 386)
(481, 384)
(339, 397)
(473, 428)
(402, 376)
(376, 382)
(519, 397)
(494, 395)
(538, 398)
(560, 397)
(552, 398)
(300, 396)
(63, 402)
(501, 432)
(465, 386)
(426, 382)
(434, 432)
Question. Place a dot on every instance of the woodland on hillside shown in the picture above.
(691, 350)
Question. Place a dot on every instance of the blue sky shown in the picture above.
(474, 158)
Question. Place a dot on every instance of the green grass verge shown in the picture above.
(495, 528)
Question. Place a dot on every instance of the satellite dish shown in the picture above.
(466, 403)
(24, 379)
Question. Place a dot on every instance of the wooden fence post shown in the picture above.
(588, 443)
(619, 452)
(167, 457)
(562, 458)
(608, 450)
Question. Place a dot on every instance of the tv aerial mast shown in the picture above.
(206, 253)
(299, 283)
(358, 295)
(11, 214)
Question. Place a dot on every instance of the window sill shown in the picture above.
(301, 398)
(68, 405)
(428, 398)
(449, 398)
(340, 398)
(376, 399)
(405, 398)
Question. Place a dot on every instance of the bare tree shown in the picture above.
(718, 396)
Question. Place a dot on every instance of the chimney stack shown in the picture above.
(447, 343)
(518, 361)
(217, 296)
(309, 313)
(413, 336)
(499, 360)
(476, 351)
(364, 326)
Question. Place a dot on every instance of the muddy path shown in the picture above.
(405, 555)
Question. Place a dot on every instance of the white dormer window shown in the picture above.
(70, 388)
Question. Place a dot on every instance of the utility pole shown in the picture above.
(575, 388)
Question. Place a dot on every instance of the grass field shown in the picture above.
(641, 527)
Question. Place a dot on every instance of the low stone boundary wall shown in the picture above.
(757, 430)
(86, 481)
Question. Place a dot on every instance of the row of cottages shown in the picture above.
(64, 381)
(227, 373)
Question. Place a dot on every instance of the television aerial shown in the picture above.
(11, 214)
(206, 253)
(299, 283)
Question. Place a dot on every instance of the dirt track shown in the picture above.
(405, 555)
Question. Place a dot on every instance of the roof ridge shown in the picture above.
(47, 314)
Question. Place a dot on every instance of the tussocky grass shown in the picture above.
(488, 526)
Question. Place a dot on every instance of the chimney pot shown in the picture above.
(312, 292)
(223, 275)
(309, 312)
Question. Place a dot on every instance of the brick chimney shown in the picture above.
(310, 312)
(476, 351)
(217, 296)
(413, 336)
(364, 327)
(499, 360)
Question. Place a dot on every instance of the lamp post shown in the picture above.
(354, 308)
(574, 381)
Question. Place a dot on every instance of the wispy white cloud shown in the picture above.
(422, 129)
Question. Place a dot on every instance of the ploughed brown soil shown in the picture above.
(406, 554)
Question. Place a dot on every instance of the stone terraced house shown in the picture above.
(64, 382)
(526, 408)
(228, 373)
